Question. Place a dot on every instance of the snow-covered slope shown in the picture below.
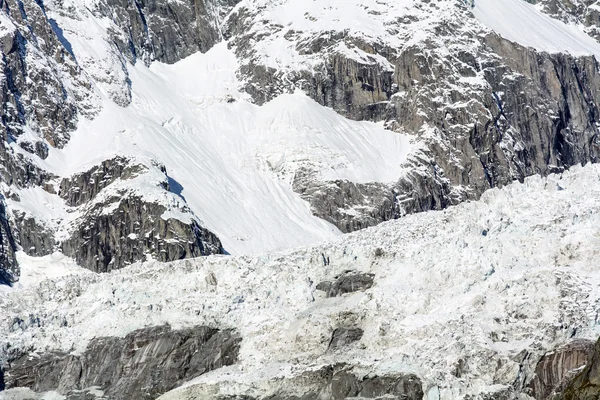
(234, 160)
(480, 282)
(524, 23)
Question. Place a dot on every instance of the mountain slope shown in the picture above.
(464, 110)
(136, 137)
(467, 299)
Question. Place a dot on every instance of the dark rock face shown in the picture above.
(9, 268)
(329, 200)
(41, 87)
(339, 383)
(142, 365)
(488, 113)
(347, 283)
(132, 230)
(35, 64)
(34, 238)
(166, 31)
(559, 367)
(83, 187)
(119, 228)
(586, 384)
(45, 88)
(344, 336)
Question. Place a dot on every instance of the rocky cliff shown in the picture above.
(558, 368)
(9, 271)
(487, 111)
(117, 213)
(49, 84)
(586, 384)
(142, 365)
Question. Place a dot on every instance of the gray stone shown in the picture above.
(557, 368)
(83, 187)
(166, 31)
(9, 268)
(536, 114)
(142, 365)
(340, 382)
(34, 238)
(344, 336)
(347, 283)
(132, 230)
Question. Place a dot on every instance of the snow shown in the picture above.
(6, 25)
(28, 394)
(37, 269)
(444, 291)
(235, 160)
(521, 22)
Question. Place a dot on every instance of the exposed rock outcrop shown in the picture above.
(119, 212)
(46, 87)
(34, 238)
(559, 367)
(166, 31)
(83, 187)
(40, 76)
(9, 269)
(347, 283)
(334, 382)
(586, 384)
(119, 226)
(142, 365)
(43, 92)
(340, 201)
(132, 231)
(344, 336)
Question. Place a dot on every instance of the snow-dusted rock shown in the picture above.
(142, 365)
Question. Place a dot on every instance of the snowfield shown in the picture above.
(524, 23)
(482, 282)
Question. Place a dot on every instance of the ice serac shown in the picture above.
(486, 111)
(468, 300)
(142, 365)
